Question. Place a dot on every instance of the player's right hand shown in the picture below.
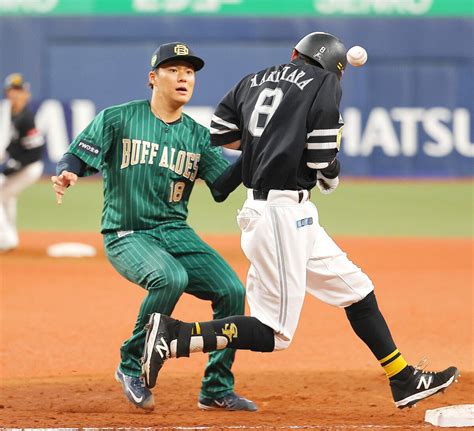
(62, 182)
(326, 185)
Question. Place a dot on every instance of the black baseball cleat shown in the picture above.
(157, 349)
(421, 384)
(135, 390)
(229, 402)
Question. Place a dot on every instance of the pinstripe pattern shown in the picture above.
(163, 255)
(168, 261)
(281, 269)
(138, 196)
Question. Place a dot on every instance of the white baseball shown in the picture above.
(357, 56)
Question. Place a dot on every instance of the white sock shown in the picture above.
(197, 344)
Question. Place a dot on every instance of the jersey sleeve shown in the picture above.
(324, 124)
(228, 181)
(92, 144)
(212, 164)
(225, 123)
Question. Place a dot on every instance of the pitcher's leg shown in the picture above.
(10, 188)
(11, 210)
(8, 234)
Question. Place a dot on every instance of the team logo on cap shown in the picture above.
(181, 50)
(153, 60)
(16, 79)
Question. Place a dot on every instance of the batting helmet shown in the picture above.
(326, 50)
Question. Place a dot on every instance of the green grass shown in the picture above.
(372, 208)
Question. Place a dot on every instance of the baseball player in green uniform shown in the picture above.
(150, 154)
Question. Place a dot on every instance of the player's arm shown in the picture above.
(61, 182)
(221, 177)
(324, 126)
(225, 125)
(85, 155)
(228, 181)
(68, 170)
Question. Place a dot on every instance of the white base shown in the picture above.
(453, 416)
(71, 249)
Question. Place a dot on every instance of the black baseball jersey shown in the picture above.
(287, 119)
(27, 144)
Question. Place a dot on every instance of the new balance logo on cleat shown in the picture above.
(421, 384)
(156, 347)
(162, 348)
(425, 381)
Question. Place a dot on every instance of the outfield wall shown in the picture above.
(407, 112)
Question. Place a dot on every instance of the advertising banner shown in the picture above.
(394, 142)
(263, 8)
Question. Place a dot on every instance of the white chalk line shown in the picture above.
(229, 427)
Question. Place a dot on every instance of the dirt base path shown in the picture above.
(63, 320)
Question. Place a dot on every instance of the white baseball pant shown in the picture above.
(289, 254)
(10, 187)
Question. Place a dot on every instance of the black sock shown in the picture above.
(245, 333)
(370, 326)
(402, 375)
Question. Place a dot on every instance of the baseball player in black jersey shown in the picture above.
(22, 165)
(286, 121)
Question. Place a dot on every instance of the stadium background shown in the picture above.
(407, 111)
(408, 119)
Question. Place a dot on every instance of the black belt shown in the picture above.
(262, 195)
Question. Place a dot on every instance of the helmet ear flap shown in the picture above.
(324, 49)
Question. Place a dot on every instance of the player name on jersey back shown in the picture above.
(294, 77)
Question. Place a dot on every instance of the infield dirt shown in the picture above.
(63, 320)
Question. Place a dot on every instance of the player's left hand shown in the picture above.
(326, 185)
(62, 182)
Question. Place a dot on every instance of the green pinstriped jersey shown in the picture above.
(148, 167)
